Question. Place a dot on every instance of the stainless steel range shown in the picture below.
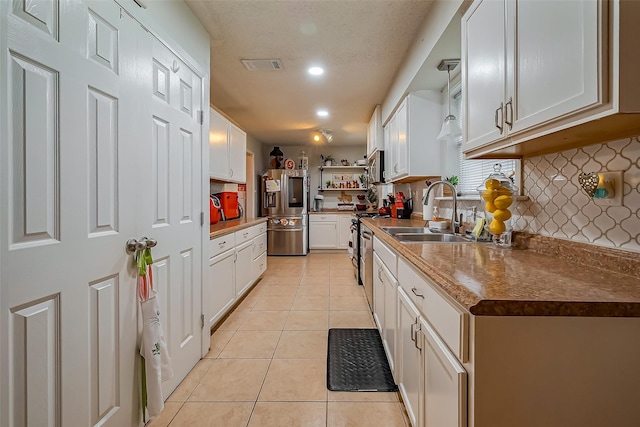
(363, 253)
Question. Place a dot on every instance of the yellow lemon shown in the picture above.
(503, 191)
(492, 183)
(503, 202)
(497, 227)
(489, 195)
(490, 207)
(502, 214)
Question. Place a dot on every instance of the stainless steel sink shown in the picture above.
(405, 230)
(429, 238)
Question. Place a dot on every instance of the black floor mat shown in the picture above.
(356, 361)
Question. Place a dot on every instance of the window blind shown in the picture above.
(474, 172)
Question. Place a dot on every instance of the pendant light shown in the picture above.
(451, 130)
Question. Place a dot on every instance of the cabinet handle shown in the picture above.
(230, 172)
(499, 111)
(379, 274)
(509, 117)
(415, 292)
(413, 332)
(222, 243)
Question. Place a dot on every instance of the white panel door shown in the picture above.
(378, 295)
(68, 162)
(244, 267)
(402, 154)
(169, 157)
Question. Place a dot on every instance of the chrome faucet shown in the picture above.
(455, 225)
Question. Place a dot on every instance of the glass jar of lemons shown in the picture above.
(498, 193)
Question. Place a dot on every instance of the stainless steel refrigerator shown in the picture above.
(285, 203)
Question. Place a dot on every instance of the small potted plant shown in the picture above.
(326, 160)
(453, 180)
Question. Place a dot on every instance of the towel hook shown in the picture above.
(141, 244)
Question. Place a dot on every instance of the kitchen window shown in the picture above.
(472, 173)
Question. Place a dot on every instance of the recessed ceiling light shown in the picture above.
(322, 113)
(316, 71)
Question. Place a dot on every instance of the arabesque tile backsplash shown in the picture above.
(563, 210)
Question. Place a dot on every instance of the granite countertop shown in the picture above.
(552, 277)
(225, 227)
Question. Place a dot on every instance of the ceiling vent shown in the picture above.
(262, 64)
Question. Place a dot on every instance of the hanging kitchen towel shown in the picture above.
(157, 363)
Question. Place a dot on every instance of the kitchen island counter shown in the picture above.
(225, 227)
(552, 277)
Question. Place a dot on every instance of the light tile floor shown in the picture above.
(268, 358)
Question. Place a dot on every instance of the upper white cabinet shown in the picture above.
(534, 68)
(227, 149)
(375, 140)
(411, 149)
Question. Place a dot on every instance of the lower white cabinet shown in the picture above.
(221, 290)
(244, 272)
(323, 235)
(344, 230)
(236, 261)
(378, 294)
(444, 392)
(385, 302)
(329, 231)
(408, 357)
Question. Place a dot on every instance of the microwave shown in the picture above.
(376, 167)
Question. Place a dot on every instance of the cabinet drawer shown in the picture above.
(245, 235)
(388, 257)
(259, 245)
(260, 228)
(323, 218)
(449, 321)
(221, 244)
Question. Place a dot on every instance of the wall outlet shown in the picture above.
(618, 186)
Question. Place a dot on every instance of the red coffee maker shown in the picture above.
(215, 210)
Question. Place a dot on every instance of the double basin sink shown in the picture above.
(422, 235)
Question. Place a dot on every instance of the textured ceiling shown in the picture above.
(360, 44)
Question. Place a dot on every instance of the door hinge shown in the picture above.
(201, 219)
(201, 117)
(202, 321)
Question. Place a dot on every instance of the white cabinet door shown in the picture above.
(218, 146)
(415, 152)
(444, 402)
(483, 72)
(408, 357)
(237, 154)
(221, 287)
(393, 149)
(386, 133)
(402, 149)
(518, 74)
(344, 231)
(323, 235)
(375, 139)
(390, 324)
(244, 271)
(555, 65)
(378, 294)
